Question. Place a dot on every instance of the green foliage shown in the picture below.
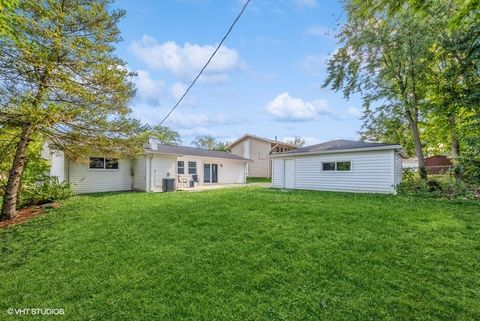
(165, 135)
(46, 190)
(441, 186)
(246, 254)
(209, 142)
(7, 17)
(296, 141)
(66, 82)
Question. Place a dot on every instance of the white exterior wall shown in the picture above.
(398, 168)
(372, 171)
(161, 166)
(57, 166)
(229, 171)
(140, 174)
(87, 180)
(277, 172)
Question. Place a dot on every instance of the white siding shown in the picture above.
(278, 170)
(371, 172)
(229, 171)
(86, 180)
(162, 166)
(57, 165)
(398, 168)
(140, 174)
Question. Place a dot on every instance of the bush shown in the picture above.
(47, 190)
(441, 186)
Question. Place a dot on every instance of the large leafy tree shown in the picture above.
(296, 141)
(209, 142)
(385, 58)
(165, 135)
(7, 17)
(64, 84)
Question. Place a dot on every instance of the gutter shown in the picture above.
(394, 147)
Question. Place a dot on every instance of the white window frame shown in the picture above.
(105, 164)
(196, 168)
(336, 170)
(183, 167)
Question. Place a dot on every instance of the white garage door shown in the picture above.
(288, 174)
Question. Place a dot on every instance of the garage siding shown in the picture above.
(398, 168)
(277, 171)
(371, 172)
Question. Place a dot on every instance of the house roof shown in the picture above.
(192, 151)
(259, 138)
(339, 145)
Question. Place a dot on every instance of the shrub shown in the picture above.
(47, 190)
(443, 186)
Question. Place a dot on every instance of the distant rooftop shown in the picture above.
(260, 138)
(192, 151)
(333, 145)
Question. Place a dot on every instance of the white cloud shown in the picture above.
(287, 108)
(306, 3)
(148, 90)
(314, 65)
(354, 111)
(187, 60)
(177, 90)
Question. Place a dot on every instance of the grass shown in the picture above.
(246, 254)
(258, 180)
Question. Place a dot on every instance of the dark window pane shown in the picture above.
(192, 168)
(328, 166)
(97, 162)
(111, 163)
(181, 167)
(344, 166)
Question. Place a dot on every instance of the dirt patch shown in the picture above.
(26, 214)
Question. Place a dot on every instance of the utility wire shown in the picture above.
(208, 62)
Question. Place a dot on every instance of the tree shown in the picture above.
(65, 85)
(385, 58)
(165, 135)
(7, 17)
(296, 141)
(209, 142)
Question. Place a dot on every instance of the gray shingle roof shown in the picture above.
(333, 145)
(192, 151)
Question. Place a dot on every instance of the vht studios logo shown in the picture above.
(35, 311)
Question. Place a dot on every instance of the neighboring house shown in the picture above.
(146, 173)
(433, 164)
(258, 149)
(340, 165)
(410, 163)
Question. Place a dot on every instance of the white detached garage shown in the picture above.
(340, 165)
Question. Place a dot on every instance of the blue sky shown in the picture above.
(264, 81)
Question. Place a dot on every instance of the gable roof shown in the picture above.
(192, 151)
(259, 138)
(340, 145)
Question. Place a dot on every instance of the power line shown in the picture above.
(208, 62)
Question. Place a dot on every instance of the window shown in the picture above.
(103, 163)
(344, 166)
(192, 167)
(330, 166)
(181, 167)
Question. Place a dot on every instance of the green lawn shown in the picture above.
(246, 254)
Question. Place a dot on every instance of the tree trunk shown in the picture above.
(455, 154)
(418, 145)
(9, 206)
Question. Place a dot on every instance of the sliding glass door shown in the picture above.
(210, 173)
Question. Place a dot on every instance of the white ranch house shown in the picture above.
(340, 165)
(186, 165)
